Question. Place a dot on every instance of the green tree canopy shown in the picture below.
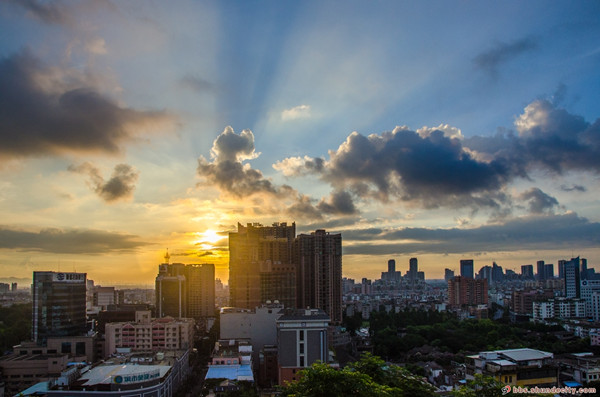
(369, 376)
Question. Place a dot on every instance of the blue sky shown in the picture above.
(437, 129)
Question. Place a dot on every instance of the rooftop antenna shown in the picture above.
(167, 257)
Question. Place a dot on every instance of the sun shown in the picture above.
(207, 239)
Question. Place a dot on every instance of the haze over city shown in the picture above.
(437, 130)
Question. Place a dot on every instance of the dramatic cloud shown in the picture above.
(502, 53)
(437, 166)
(226, 170)
(120, 185)
(70, 241)
(298, 112)
(527, 233)
(47, 111)
(539, 202)
(339, 203)
(430, 166)
(296, 166)
(549, 137)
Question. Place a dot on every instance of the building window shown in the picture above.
(301, 348)
(302, 361)
(301, 335)
(65, 347)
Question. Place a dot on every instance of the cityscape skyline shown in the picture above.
(441, 131)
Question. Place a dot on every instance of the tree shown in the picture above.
(481, 386)
(369, 376)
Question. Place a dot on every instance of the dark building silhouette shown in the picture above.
(466, 268)
(318, 259)
(185, 290)
(249, 248)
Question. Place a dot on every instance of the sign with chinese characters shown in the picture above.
(137, 377)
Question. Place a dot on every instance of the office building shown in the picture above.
(318, 259)
(249, 248)
(548, 271)
(527, 272)
(466, 268)
(448, 274)
(58, 305)
(541, 271)
(572, 280)
(171, 291)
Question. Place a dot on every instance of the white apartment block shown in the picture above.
(148, 334)
(587, 290)
(559, 308)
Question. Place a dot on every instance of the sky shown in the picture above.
(442, 130)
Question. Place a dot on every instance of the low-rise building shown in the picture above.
(148, 334)
(302, 340)
(515, 367)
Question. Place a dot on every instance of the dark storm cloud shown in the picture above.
(538, 201)
(527, 233)
(120, 185)
(340, 203)
(502, 53)
(303, 208)
(227, 172)
(436, 167)
(45, 113)
(432, 168)
(548, 137)
(68, 241)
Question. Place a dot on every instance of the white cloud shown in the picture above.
(297, 112)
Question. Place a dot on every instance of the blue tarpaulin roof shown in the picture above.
(233, 372)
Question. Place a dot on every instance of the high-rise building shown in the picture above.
(548, 271)
(572, 286)
(58, 305)
(541, 271)
(466, 268)
(527, 272)
(249, 248)
(278, 283)
(201, 290)
(391, 266)
(561, 268)
(584, 269)
(171, 291)
(448, 274)
(185, 290)
(318, 259)
(465, 291)
(413, 269)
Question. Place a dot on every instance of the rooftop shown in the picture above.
(232, 372)
(525, 354)
(106, 374)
